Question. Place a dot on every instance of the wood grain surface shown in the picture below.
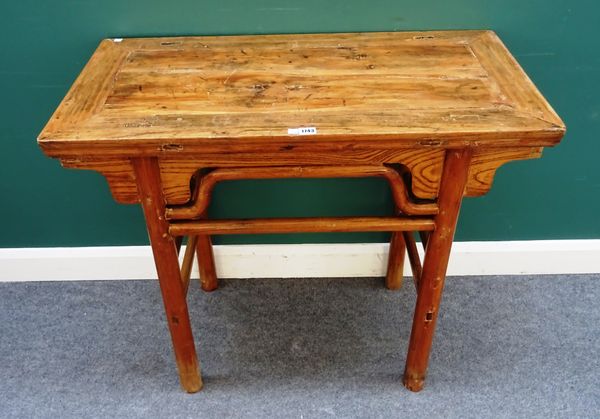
(374, 98)
(425, 166)
(166, 95)
(172, 287)
(302, 225)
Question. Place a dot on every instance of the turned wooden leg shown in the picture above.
(431, 284)
(206, 263)
(167, 265)
(395, 269)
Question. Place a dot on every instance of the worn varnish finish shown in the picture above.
(223, 100)
(171, 285)
(435, 113)
(431, 281)
(200, 94)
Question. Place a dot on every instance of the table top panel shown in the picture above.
(451, 87)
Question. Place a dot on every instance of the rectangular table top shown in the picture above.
(450, 88)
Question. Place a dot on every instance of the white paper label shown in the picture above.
(302, 131)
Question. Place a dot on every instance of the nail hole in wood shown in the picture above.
(429, 316)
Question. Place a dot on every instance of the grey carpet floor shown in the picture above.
(302, 348)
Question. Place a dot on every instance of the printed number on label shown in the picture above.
(302, 131)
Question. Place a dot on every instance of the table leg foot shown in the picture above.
(191, 382)
(395, 269)
(414, 382)
(206, 264)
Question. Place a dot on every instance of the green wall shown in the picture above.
(45, 45)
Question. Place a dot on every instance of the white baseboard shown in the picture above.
(299, 260)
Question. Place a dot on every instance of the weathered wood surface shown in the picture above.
(374, 98)
(300, 225)
(425, 166)
(167, 95)
(433, 275)
(169, 275)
